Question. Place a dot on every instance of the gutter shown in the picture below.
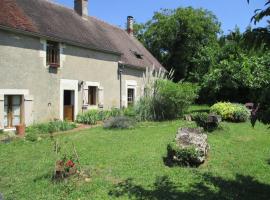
(73, 43)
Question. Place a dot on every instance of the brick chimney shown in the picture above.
(81, 7)
(130, 22)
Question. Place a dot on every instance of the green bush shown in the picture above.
(119, 122)
(129, 112)
(32, 137)
(181, 156)
(231, 112)
(50, 127)
(202, 120)
(264, 109)
(169, 101)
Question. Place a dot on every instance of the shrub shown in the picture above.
(202, 120)
(50, 127)
(91, 117)
(231, 112)
(181, 156)
(169, 101)
(129, 112)
(32, 137)
(264, 109)
(120, 122)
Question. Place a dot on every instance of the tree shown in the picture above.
(181, 39)
(261, 13)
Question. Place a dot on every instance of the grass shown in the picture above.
(128, 164)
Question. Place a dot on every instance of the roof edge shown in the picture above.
(28, 33)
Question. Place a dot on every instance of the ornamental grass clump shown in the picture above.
(163, 99)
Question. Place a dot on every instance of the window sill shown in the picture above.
(53, 65)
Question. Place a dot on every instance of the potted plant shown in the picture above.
(20, 130)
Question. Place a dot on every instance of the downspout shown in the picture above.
(120, 72)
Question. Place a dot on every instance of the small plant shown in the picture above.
(32, 137)
(67, 163)
(181, 156)
(231, 112)
(50, 127)
(91, 117)
(207, 122)
(120, 122)
(129, 112)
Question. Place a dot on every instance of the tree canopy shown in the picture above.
(179, 37)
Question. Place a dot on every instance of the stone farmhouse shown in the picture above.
(56, 62)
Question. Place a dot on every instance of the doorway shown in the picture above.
(12, 110)
(68, 105)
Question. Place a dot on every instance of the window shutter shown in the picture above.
(85, 95)
(28, 109)
(101, 96)
(1, 111)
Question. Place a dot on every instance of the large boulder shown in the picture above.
(193, 138)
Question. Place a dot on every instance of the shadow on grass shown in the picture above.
(242, 188)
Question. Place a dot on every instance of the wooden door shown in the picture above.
(69, 105)
(69, 113)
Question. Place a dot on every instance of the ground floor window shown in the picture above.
(131, 96)
(12, 110)
(92, 95)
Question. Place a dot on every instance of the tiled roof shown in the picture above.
(48, 19)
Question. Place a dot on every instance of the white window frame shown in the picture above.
(86, 87)
(66, 84)
(130, 84)
(43, 53)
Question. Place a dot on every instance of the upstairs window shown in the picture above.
(92, 95)
(53, 54)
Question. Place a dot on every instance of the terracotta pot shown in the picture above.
(20, 130)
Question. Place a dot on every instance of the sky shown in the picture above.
(230, 13)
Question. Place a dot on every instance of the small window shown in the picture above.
(131, 95)
(92, 96)
(53, 54)
(137, 54)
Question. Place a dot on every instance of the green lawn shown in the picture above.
(128, 164)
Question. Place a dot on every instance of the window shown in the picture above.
(12, 110)
(92, 95)
(53, 54)
(131, 96)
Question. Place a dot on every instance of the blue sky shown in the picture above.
(229, 12)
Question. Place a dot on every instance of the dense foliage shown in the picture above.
(169, 101)
(178, 38)
(231, 111)
(232, 67)
(238, 74)
(264, 110)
